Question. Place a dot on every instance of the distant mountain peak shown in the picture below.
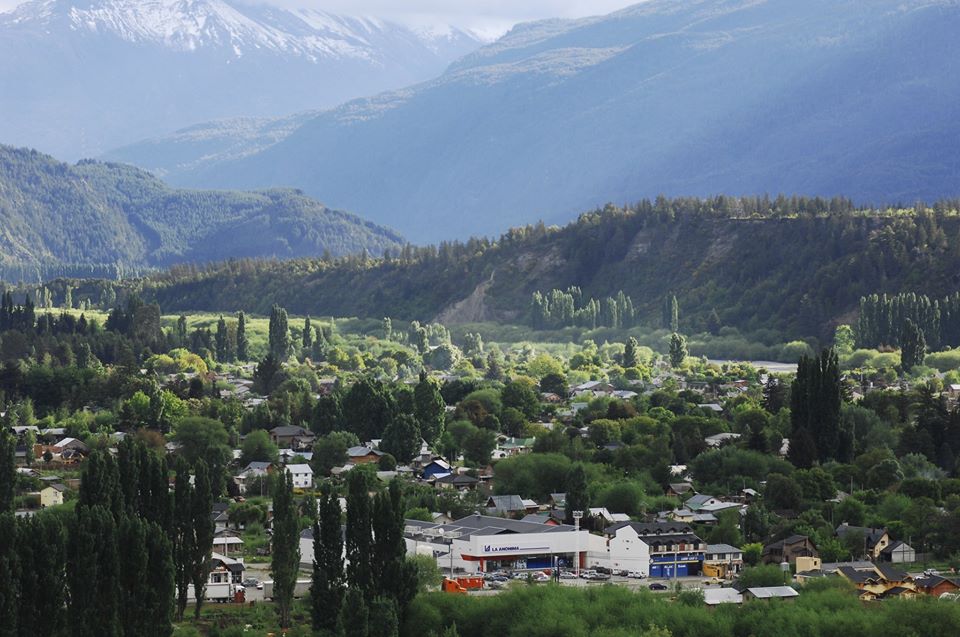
(81, 76)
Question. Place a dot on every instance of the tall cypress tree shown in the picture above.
(913, 346)
(158, 607)
(354, 619)
(815, 401)
(135, 586)
(243, 345)
(326, 593)
(285, 547)
(222, 341)
(203, 530)
(359, 540)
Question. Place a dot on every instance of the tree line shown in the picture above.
(567, 308)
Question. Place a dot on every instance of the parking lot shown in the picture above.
(633, 583)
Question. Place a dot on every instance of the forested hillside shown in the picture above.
(793, 265)
(108, 217)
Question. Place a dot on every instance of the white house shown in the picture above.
(302, 475)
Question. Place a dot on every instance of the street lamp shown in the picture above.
(576, 529)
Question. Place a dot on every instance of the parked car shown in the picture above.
(587, 574)
(541, 577)
(252, 582)
(604, 570)
(568, 575)
(599, 577)
(931, 571)
(657, 586)
(495, 584)
(635, 575)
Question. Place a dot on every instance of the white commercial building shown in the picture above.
(481, 543)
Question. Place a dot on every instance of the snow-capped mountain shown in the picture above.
(80, 76)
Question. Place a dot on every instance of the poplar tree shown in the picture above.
(307, 337)
(354, 619)
(578, 499)
(326, 593)
(678, 349)
(242, 344)
(183, 536)
(93, 574)
(401, 438)
(285, 547)
(203, 530)
(279, 334)
(8, 471)
(359, 542)
(913, 346)
(630, 353)
(49, 559)
(222, 340)
(9, 575)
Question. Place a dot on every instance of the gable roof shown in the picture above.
(508, 503)
(870, 535)
(647, 529)
(290, 430)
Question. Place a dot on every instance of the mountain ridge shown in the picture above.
(55, 215)
(694, 98)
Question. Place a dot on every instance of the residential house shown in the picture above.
(228, 543)
(604, 517)
(221, 520)
(689, 517)
(874, 540)
(437, 466)
(898, 553)
(789, 549)
(249, 473)
(292, 436)
(508, 505)
(879, 580)
(363, 455)
(460, 482)
(722, 560)
(224, 570)
(679, 489)
(302, 475)
(698, 502)
(936, 585)
(52, 495)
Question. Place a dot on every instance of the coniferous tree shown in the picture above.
(135, 587)
(182, 331)
(326, 592)
(158, 605)
(285, 547)
(203, 531)
(367, 409)
(359, 541)
(243, 345)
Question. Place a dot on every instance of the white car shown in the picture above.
(568, 575)
(635, 575)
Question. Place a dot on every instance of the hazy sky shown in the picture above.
(488, 16)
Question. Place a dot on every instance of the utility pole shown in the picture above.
(576, 529)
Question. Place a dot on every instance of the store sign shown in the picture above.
(487, 548)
